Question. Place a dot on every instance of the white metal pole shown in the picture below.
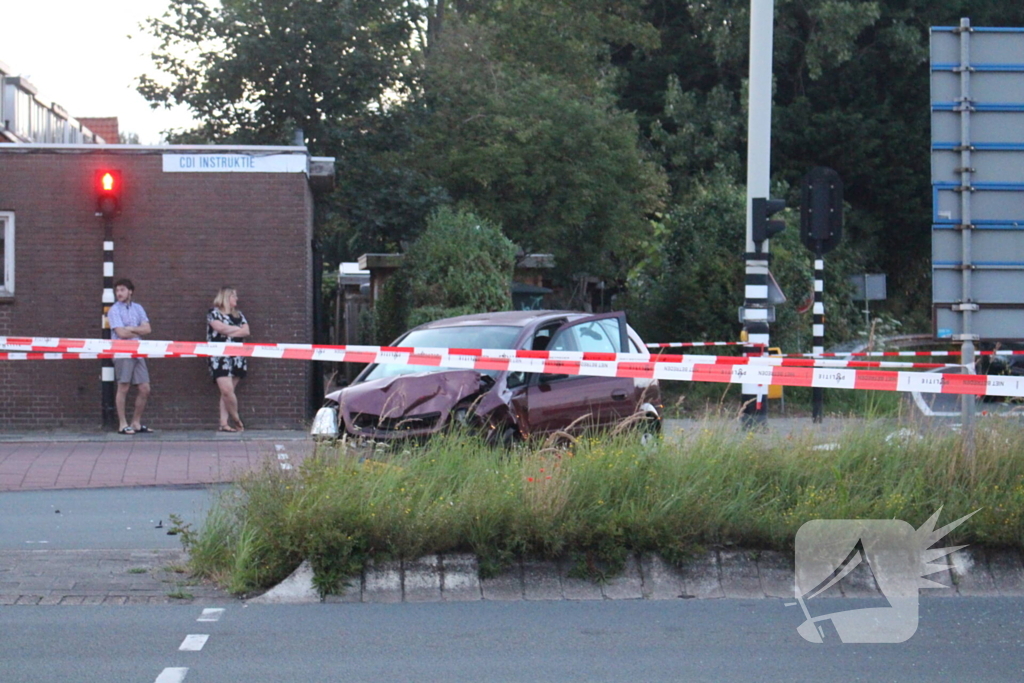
(759, 135)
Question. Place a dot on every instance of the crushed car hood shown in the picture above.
(417, 394)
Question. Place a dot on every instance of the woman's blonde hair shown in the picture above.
(220, 302)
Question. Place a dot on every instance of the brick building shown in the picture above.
(193, 218)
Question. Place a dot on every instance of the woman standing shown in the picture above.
(225, 323)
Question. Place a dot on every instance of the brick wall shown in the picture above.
(179, 238)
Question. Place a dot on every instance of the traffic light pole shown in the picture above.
(756, 312)
(109, 388)
(818, 331)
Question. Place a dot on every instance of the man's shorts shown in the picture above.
(131, 371)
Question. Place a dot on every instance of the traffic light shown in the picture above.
(763, 227)
(821, 210)
(108, 193)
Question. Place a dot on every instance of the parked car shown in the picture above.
(387, 402)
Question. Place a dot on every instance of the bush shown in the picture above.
(460, 264)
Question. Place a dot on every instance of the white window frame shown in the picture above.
(7, 226)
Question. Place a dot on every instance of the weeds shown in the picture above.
(595, 500)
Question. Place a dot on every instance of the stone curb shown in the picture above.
(717, 574)
(147, 577)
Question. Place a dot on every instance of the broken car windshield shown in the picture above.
(463, 337)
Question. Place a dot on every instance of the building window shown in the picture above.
(6, 253)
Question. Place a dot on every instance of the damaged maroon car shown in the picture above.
(387, 402)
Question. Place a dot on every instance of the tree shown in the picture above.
(254, 70)
(559, 167)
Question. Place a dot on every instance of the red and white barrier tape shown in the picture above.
(35, 355)
(187, 349)
(774, 361)
(883, 354)
(681, 345)
(761, 370)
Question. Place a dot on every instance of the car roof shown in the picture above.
(506, 318)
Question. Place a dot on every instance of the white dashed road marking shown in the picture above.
(211, 614)
(194, 642)
(175, 674)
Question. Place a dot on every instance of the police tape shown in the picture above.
(774, 361)
(71, 355)
(884, 354)
(749, 371)
(682, 345)
(141, 348)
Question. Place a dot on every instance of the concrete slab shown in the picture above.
(662, 581)
(576, 588)
(739, 574)
(296, 589)
(702, 577)
(1007, 571)
(626, 586)
(423, 579)
(970, 572)
(460, 578)
(775, 572)
(541, 581)
(944, 577)
(505, 586)
(860, 583)
(383, 582)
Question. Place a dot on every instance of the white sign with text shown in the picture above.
(235, 163)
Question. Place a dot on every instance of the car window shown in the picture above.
(611, 329)
(459, 337)
(592, 337)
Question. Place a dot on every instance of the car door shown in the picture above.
(554, 402)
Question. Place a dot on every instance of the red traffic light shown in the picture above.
(108, 193)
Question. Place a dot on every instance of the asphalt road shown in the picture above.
(979, 639)
(99, 518)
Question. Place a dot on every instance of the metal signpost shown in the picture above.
(977, 116)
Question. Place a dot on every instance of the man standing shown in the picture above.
(128, 320)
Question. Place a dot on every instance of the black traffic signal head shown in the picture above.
(821, 210)
(108, 193)
(763, 227)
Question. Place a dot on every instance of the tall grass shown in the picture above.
(601, 498)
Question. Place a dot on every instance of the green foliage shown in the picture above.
(460, 264)
(553, 161)
(604, 499)
(569, 122)
(253, 70)
(690, 287)
(390, 314)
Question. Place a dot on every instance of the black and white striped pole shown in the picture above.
(107, 370)
(108, 205)
(818, 333)
(821, 229)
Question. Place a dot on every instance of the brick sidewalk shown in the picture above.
(31, 462)
(101, 577)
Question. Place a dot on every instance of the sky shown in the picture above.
(85, 55)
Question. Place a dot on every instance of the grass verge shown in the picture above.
(600, 499)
